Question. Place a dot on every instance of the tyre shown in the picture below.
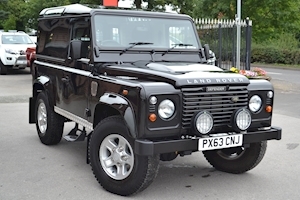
(238, 159)
(3, 69)
(49, 124)
(114, 164)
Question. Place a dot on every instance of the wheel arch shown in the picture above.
(43, 83)
(113, 104)
(40, 84)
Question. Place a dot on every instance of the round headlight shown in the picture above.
(255, 103)
(166, 109)
(204, 122)
(243, 119)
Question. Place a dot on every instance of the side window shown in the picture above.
(81, 31)
(54, 38)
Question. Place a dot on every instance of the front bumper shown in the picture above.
(15, 61)
(149, 148)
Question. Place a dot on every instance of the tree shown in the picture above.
(93, 2)
(13, 15)
(270, 17)
(10, 23)
(183, 6)
(4, 14)
(34, 7)
(151, 4)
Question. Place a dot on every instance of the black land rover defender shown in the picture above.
(139, 89)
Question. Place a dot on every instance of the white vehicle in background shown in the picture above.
(33, 38)
(13, 45)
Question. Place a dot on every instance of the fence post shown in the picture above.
(248, 43)
(234, 45)
(220, 45)
(238, 42)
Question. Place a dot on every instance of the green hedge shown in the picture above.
(277, 55)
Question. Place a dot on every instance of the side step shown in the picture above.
(74, 137)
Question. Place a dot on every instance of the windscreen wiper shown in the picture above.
(176, 45)
(134, 44)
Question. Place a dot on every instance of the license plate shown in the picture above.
(21, 62)
(220, 142)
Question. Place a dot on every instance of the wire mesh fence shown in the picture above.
(221, 36)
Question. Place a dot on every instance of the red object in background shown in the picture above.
(110, 3)
(30, 55)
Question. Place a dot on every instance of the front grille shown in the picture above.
(219, 104)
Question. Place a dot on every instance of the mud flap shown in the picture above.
(31, 110)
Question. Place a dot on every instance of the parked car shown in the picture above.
(13, 45)
(33, 38)
(137, 100)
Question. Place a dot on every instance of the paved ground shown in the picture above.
(33, 171)
(15, 87)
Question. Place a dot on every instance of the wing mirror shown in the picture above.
(75, 49)
(206, 51)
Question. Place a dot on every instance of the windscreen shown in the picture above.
(16, 39)
(122, 31)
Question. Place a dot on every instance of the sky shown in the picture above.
(128, 4)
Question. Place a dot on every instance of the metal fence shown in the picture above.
(221, 36)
